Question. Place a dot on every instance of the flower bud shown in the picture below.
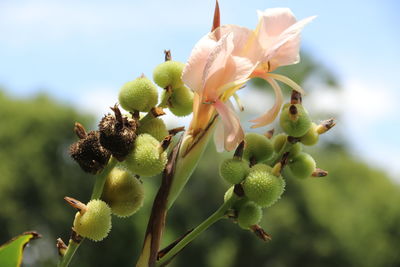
(234, 170)
(181, 101)
(146, 159)
(89, 153)
(295, 120)
(262, 187)
(302, 165)
(155, 127)
(249, 214)
(168, 73)
(258, 147)
(138, 95)
(311, 137)
(123, 192)
(95, 221)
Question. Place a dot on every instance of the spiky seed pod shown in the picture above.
(258, 147)
(295, 120)
(168, 73)
(123, 192)
(234, 170)
(181, 101)
(91, 156)
(95, 222)
(302, 165)
(278, 141)
(155, 127)
(239, 202)
(262, 187)
(138, 95)
(295, 150)
(147, 158)
(249, 214)
(117, 134)
(311, 137)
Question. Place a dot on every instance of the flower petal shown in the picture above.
(285, 50)
(271, 114)
(233, 132)
(219, 139)
(192, 73)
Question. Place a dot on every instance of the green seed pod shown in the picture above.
(278, 141)
(140, 94)
(168, 73)
(249, 214)
(155, 127)
(181, 101)
(123, 192)
(258, 147)
(295, 120)
(146, 159)
(95, 222)
(234, 170)
(295, 150)
(262, 187)
(302, 165)
(311, 137)
(239, 202)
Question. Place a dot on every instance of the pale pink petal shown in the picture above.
(216, 65)
(193, 71)
(233, 132)
(219, 139)
(245, 42)
(285, 49)
(273, 21)
(271, 114)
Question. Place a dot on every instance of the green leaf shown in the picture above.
(11, 252)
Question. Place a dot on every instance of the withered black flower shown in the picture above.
(88, 152)
(117, 133)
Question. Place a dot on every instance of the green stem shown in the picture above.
(216, 216)
(278, 156)
(72, 247)
(96, 194)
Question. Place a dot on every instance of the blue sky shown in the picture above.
(81, 52)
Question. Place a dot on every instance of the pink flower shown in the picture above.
(225, 59)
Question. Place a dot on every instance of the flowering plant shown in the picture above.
(130, 146)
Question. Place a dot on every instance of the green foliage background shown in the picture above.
(350, 218)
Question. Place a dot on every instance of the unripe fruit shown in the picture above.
(123, 192)
(295, 150)
(181, 101)
(302, 165)
(95, 222)
(311, 137)
(140, 94)
(262, 187)
(249, 214)
(278, 141)
(228, 194)
(168, 73)
(155, 127)
(234, 170)
(146, 159)
(258, 147)
(295, 120)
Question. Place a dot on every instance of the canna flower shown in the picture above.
(225, 59)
